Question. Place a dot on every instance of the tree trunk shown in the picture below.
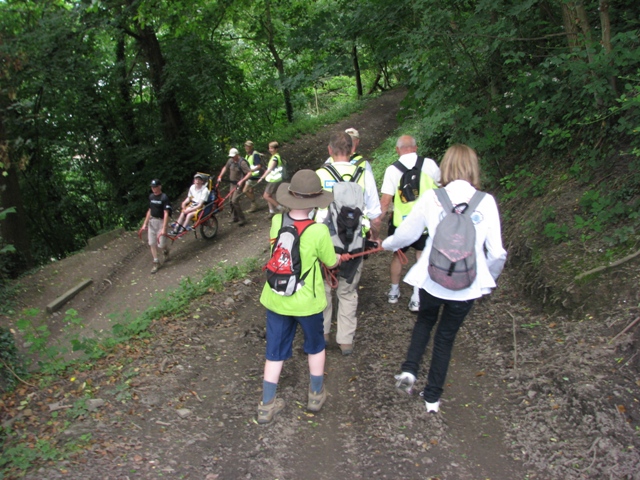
(13, 229)
(605, 25)
(356, 68)
(277, 60)
(570, 24)
(169, 109)
(574, 16)
(124, 88)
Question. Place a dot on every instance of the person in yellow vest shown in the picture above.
(406, 148)
(355, 158)
(251, 179)
(349, 272)
(274, 176)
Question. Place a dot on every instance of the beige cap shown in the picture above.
(352, 132)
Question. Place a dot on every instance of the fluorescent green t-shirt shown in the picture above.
(315, 244)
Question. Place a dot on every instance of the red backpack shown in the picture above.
(284, 268)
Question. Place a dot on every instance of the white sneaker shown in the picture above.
(393, 297)
(405, 381)
(432, 407)
(414, 306)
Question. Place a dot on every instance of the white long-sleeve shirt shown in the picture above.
(427, 213)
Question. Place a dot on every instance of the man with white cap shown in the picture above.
(238, 168)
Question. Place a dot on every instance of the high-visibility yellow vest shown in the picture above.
(250, 160)
(275, 175)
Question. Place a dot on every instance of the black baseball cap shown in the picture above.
(156, 183)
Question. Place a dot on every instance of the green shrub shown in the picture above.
(11, 364)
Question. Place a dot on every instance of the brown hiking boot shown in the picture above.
(347, 348)
(268, 411)
(253, 208)
(316, 400)
(156, 267)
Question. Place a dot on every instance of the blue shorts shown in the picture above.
(281, 329)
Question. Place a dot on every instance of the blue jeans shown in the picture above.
(453, 314)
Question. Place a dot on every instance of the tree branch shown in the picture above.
(15, 374)
(606, 267)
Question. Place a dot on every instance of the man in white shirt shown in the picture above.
(349, 272)
(406, 148)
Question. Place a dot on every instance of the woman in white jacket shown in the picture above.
(460, 179)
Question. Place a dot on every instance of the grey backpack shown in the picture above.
(345, 218)
(452, 261)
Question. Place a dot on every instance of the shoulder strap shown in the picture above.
(474, 202)
(442, 195)
(333, 172)
(301, 225)
(400, 166)
(357, 174)
(445, 201)
(304, 224)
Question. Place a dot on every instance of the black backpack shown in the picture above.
(452, 261)
(409, 186)
(284, 268)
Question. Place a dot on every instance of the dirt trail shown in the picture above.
(496, 422)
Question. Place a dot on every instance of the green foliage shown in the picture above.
(523, 183)
(11, 363)
(51, 357)
(24, 452)
(478, 83)
(558, 233)
(54, 358)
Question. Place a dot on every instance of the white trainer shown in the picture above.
(392, 296)
(432, 407)
(404, 382)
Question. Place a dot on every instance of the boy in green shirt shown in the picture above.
(305, 306)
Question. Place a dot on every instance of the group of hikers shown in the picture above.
(325, 221)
